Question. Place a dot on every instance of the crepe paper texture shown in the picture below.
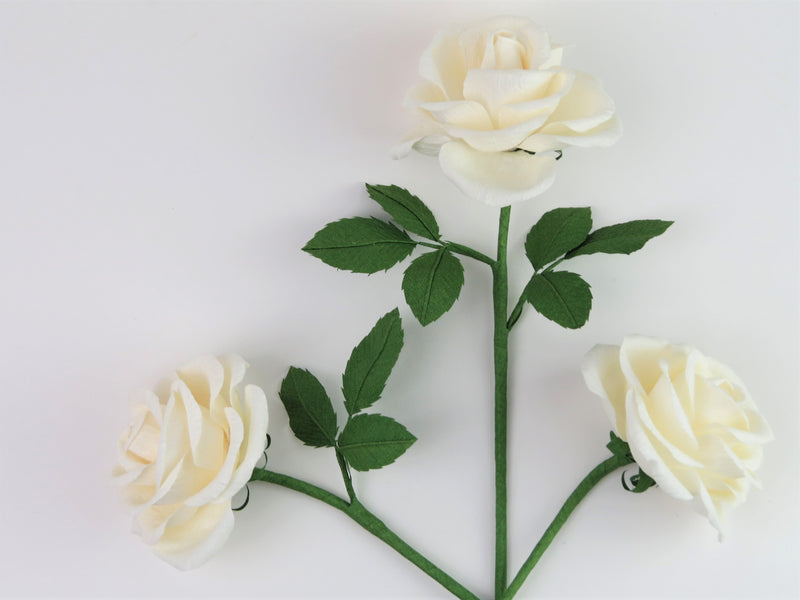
(371, 362)
(562, 234)
(367, 441)
(431, 284)
(689, 420)
(498, 108)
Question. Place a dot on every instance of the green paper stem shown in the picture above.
(356, 511)
(500, 299)
(584, 487)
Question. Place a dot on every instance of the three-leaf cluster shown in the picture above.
(367, 441)
(431, 283)
(562, 234)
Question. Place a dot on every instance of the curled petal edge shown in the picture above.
(497, 178)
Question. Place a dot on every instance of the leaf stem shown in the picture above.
(584, 487)
(356, 511)
(470, 252)
(500, 301)
(553, 265)
(348, 479)
(459, 249)
(517, 312)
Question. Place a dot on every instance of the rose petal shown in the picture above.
(647, 456)
(535, 93)
(668, 450)
(513, 113)
(257, 418)
(639, 357)
(174, 442)
(204, 376)
(442, 63)
(706, 505)
(423, 92)
(207, 439)
(235, 369)
(497, 178)
(555, 58)
(715, 409)
(584, 107)
(221, 480)
(426, 137)
(192, 543)
(151, 523)
(667, 410)
(603, 376)
(478, 47)
(459, 114)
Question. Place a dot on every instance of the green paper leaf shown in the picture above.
(371, 362)
(406, 209)
(373, 441)
(562, 297)
(360, 245)
(310, 411)
(556, 233)
(618, 446)
(622, 238)
(432, 284)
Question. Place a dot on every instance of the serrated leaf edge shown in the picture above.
(312, 416)
(561, 297)
(356, 410)
(432, 235)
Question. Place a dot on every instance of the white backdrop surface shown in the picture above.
(162, 164)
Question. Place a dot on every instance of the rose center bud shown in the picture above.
(509, 52)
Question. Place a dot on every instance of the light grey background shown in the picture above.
(162, 164)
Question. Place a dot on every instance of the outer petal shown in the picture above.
(557, 137)
(193, 542)
(204, 377)
(426, 137)
(603, 376)
(497, 178)
(442, 63)
(639, 357)
(219, 483)
(463, 114)
(586, 106)
(256, 419)
(646, 454)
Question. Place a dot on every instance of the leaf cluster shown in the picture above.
(565, 233)
(431, 283)
(367, 441)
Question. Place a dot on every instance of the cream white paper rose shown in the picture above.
(496, 105)
(188, 450)
(689, 420)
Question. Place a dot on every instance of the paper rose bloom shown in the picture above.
(495, 104)
(689, 420)
(188, 450)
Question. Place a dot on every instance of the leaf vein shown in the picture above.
(431, 278)
(310, 413)
(371, 367)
